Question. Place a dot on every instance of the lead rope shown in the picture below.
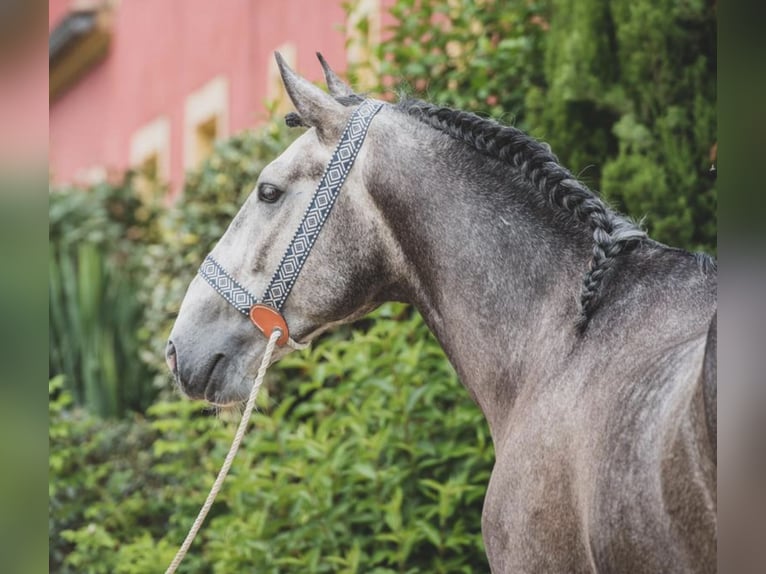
(276, 334)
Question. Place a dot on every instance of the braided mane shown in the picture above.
(613, 234)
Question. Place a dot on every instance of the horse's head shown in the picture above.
(214, 349)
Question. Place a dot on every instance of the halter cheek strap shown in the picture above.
(266, 315)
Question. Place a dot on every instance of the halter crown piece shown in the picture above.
(266, 315)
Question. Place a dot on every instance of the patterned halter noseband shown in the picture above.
(266, 314)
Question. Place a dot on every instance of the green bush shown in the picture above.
(624, 91)
(630, 97)
(366, 456)
(479, 56)
(96, 238)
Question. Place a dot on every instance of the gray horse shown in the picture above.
(589, 347)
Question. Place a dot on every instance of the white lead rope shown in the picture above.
(276, 334)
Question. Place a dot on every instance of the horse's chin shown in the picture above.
(225, 398)
(227, 404)
(231, 412)
(216, 394)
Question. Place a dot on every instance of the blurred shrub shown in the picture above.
(96, 240)
(624, 91)
(631, 90)
(366, 456)
(475, 55)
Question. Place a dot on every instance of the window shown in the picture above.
(148, 178)
(150, 158)
(206, 120)
(207, 135)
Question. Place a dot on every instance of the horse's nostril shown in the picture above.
(170, 357)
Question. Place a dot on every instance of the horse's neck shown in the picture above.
(494, 279)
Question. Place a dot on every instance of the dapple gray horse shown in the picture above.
(589, 347)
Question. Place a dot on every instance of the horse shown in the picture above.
(589, 347)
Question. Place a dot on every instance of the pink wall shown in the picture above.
(161, 51)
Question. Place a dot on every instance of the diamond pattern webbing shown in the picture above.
(226, 286)
(313, 219)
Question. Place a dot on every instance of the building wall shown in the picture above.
(163, 52)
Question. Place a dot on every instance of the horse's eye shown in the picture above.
(268, 193)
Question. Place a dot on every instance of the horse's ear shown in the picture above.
(338, 88)
(316, 108)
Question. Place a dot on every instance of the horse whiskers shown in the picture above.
(230, 413)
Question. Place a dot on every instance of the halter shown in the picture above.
(266, 315)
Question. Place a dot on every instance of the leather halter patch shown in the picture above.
(267, 319)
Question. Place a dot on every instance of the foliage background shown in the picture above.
(623, 90)
(366, 455)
